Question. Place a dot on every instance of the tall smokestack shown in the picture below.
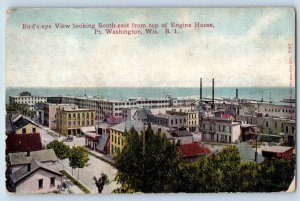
(236, 93)
(201, 89)
(213, 93)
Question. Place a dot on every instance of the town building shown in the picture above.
(91, 137)
(16, 161)
(35, 178)
(105, 108)
(69, 121)
(167, 120)
(21, 125)
(272, 128)
(22, 143)
(221, 130)
(27, 98)
(117, 138)
(193, 151)
(182, 137)
(50, 113)
(192, 119)
(278, 152)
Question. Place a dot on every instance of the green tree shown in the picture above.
(19, 108)
(61, 150)
(78, 158)
(147, 163)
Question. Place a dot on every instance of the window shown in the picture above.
(223, 128)
(87, 115)
(175, 121)
(69, 116)
(293, 129)
(41, 183)
(267, 124)
(74, 115)
(275, 124)
(52, 181)
(33, 130)
(286, 129)
(171, 121)
(92, 115)
(23, 130)
(92, 122)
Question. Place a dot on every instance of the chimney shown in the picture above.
(29, 167)
(213, 94)
(236, 93)
(201, 89)
(28, 153)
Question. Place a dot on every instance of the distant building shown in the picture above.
(182, 137)
(218, 130)
(168, 120)
(26, 98)
(35, 177)
(192, 119)
(279, 152)
(69, 121)
(50, 113)
(278, 127)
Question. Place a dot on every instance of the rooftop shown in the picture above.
(26, 171)
(21, 158)
(194, 149)
(23, 142)
(276, 149)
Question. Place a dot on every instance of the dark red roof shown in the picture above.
(194, 149)
(23, 142)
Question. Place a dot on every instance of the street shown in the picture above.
(95, 168)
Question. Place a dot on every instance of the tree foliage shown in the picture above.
(78, 158)
(150, 163)
(147, 163)
(61, 150)
(20, 108)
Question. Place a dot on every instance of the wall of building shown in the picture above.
(29, 128)
(116, 141)
(29, 100)
(30, 185)
(70, 122)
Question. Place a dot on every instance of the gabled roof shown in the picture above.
(26, 171)
(194, 149)
(21, 158)
(142, 113)
(126, 125)
(23, 142)
(102, 142)
(276, 149)
(20, 122)
(247, 153)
